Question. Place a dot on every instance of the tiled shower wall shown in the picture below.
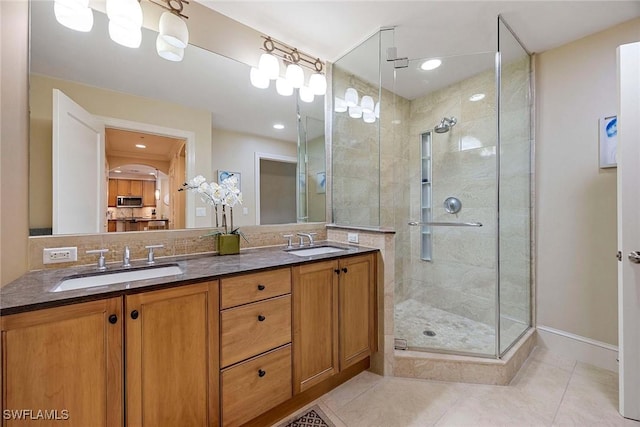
(461, 278)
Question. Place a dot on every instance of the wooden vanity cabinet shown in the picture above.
(172, 357)
(71, 358)
(65, 359)
(255, 344)
(333, 317)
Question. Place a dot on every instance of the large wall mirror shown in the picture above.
(164, 122)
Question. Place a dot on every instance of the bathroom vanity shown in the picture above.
(233, 340)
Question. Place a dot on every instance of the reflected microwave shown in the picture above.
(129, 202)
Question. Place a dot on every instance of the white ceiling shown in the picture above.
(330, 28)
(464, 34)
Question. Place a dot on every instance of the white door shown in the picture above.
(79, 192)
(629, 228)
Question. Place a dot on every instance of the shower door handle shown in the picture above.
(445, 224)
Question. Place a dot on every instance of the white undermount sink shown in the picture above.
(320, 250)
(119, 276)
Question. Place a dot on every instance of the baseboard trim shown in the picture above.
(577, 347)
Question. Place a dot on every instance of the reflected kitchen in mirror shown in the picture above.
(194, 117)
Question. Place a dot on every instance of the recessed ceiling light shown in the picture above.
(476, 97)
(141, 146)
(430, 64)
(278, 126)
(118, 171)
(152, 173)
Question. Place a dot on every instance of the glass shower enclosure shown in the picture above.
(452, 153)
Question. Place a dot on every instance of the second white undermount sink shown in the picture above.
(320, 250)
(118, 276)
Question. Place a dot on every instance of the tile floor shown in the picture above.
(548, 391)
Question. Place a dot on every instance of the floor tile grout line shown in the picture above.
(383, 379)
(555, 415)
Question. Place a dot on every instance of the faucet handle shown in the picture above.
(101, 261)
(288, 237)
(150, 256)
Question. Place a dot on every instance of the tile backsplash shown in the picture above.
(176, 242)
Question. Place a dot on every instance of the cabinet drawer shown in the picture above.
(254, 287)
(255, 386)
(254, 328)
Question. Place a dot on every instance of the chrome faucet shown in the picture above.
(308, 236)
(126, 257)
(101, 260)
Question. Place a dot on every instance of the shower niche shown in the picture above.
(425, 196)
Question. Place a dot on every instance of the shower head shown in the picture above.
(445, 124)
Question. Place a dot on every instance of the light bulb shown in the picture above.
(258, 79)
(167, 51)
(125, 36)
(306, 95)
(283, 87)
(367, 104)
(318, 84)
(355, 112)
(295, 75)
(430, 64)
(351, 97)
(339, 106)
(368, 117)
(73, 15)
(174, 30)
(269, 66)
(376, 110)
(125, 13)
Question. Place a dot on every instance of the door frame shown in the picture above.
(189, 136)
(273, 157)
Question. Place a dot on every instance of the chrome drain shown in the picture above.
(429, 333)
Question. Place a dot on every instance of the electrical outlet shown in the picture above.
(352, 237)
(56, 255)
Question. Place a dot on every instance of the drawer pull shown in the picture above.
(113, 319)
(261, 287)
(337, 271)
(344, 269)
(134, 314)
(261, 318)
(261, 373)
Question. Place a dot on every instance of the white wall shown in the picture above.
(576, 201)
(235, 152)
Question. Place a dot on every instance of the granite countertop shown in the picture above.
(138, 219)
(32, 290)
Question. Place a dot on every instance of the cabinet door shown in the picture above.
(113, 192)
(149, 193)
(357, 297)
(136, 187)
(124, 187)
(67, 361)
(172, 357)
(315, 323)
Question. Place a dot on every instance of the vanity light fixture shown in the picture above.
(306, 94)
(430, 64)
(125, 22)
(74, 14)
(283, 87)
(269, 68)
(476, 97)
(367, 109)
(258, 79)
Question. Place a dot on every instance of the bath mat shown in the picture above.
(313, 417)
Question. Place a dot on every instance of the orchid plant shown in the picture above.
(220, 196)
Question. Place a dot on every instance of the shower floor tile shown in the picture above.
(452, 332)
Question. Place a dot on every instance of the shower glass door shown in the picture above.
(448, 300)
(515, 177)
